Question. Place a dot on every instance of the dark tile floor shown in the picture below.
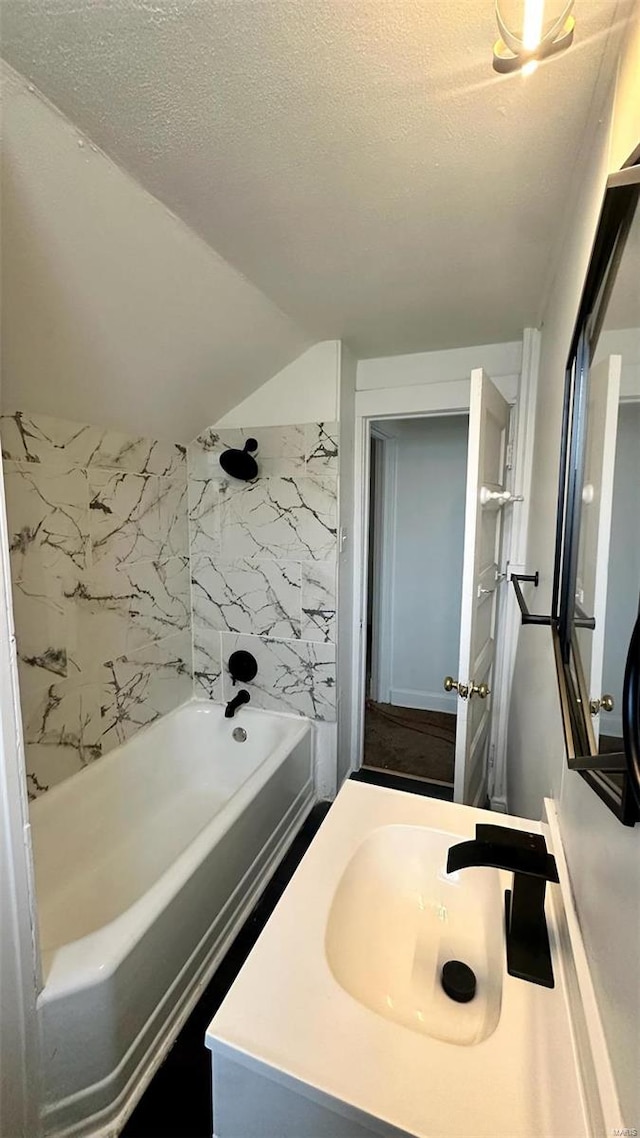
(177, 1103)
(412, 785)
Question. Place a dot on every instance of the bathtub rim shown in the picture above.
(104, 762)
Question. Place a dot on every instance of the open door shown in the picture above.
(486, 495)
(595, 523)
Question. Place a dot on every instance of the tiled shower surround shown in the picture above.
(113, 630)
(263, 566)
(98, 537)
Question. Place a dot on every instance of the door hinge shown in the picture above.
(509, 457)
(492, 756)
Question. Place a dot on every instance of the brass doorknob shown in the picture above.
(450, 684)
(481, 690)
(605, 703)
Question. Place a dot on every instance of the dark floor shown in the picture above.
(610, 745)
(177, 1103)
(410, 741)
(407, 783)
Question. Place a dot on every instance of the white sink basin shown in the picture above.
(397, 917)
(337, 1025)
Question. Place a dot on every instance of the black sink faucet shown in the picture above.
(237, 701)
(525, 855)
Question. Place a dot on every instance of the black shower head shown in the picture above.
(241, 464)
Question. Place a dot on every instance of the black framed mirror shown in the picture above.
(596, 593)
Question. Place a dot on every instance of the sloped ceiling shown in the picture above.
(113, 311)
(357, 160)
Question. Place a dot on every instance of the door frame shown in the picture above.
(382, 586)
(515, 539)
(432, 400)
(445, 398)
(20, 972)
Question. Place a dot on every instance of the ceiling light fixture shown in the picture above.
(523, 53)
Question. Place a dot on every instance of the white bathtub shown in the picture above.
(146, 864)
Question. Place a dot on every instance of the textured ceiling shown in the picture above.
(358, 160)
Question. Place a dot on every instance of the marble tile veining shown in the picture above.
(281, 517)
(243, 596)
(61, 442)
(207, 665)
(203, 454)
(124, 516)
(121, 608)
(138, 566)
(319, 601)
(42, 618)
(161, 601)
(47, 516)
(100, 576)
(321, 448)
(263, 564)
(295, 676)
(173, 520)
(116, 451)
(40, 439)
(143, 685)
(281, 450)
(99, 617)
(62, 730)
(204, 517)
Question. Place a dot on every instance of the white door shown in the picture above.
(485, 499)
(595, 522)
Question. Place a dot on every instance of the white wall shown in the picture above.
(114, 312)
(604, 857)
(536, 745)
(498, 360)
(305, 391)
(426, 562)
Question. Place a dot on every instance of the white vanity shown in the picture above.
(338, 1024)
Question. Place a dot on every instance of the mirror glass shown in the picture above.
(608, 572)
(598, 558)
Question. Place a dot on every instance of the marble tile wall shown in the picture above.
(263, 566)
(99, 545)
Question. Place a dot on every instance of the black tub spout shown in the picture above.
(237, 701)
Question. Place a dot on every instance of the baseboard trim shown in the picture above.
(407, 783)
(424, 700)
(405, 774)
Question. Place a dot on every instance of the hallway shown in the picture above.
(410, 741)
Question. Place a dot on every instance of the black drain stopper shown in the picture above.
(458, 981)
